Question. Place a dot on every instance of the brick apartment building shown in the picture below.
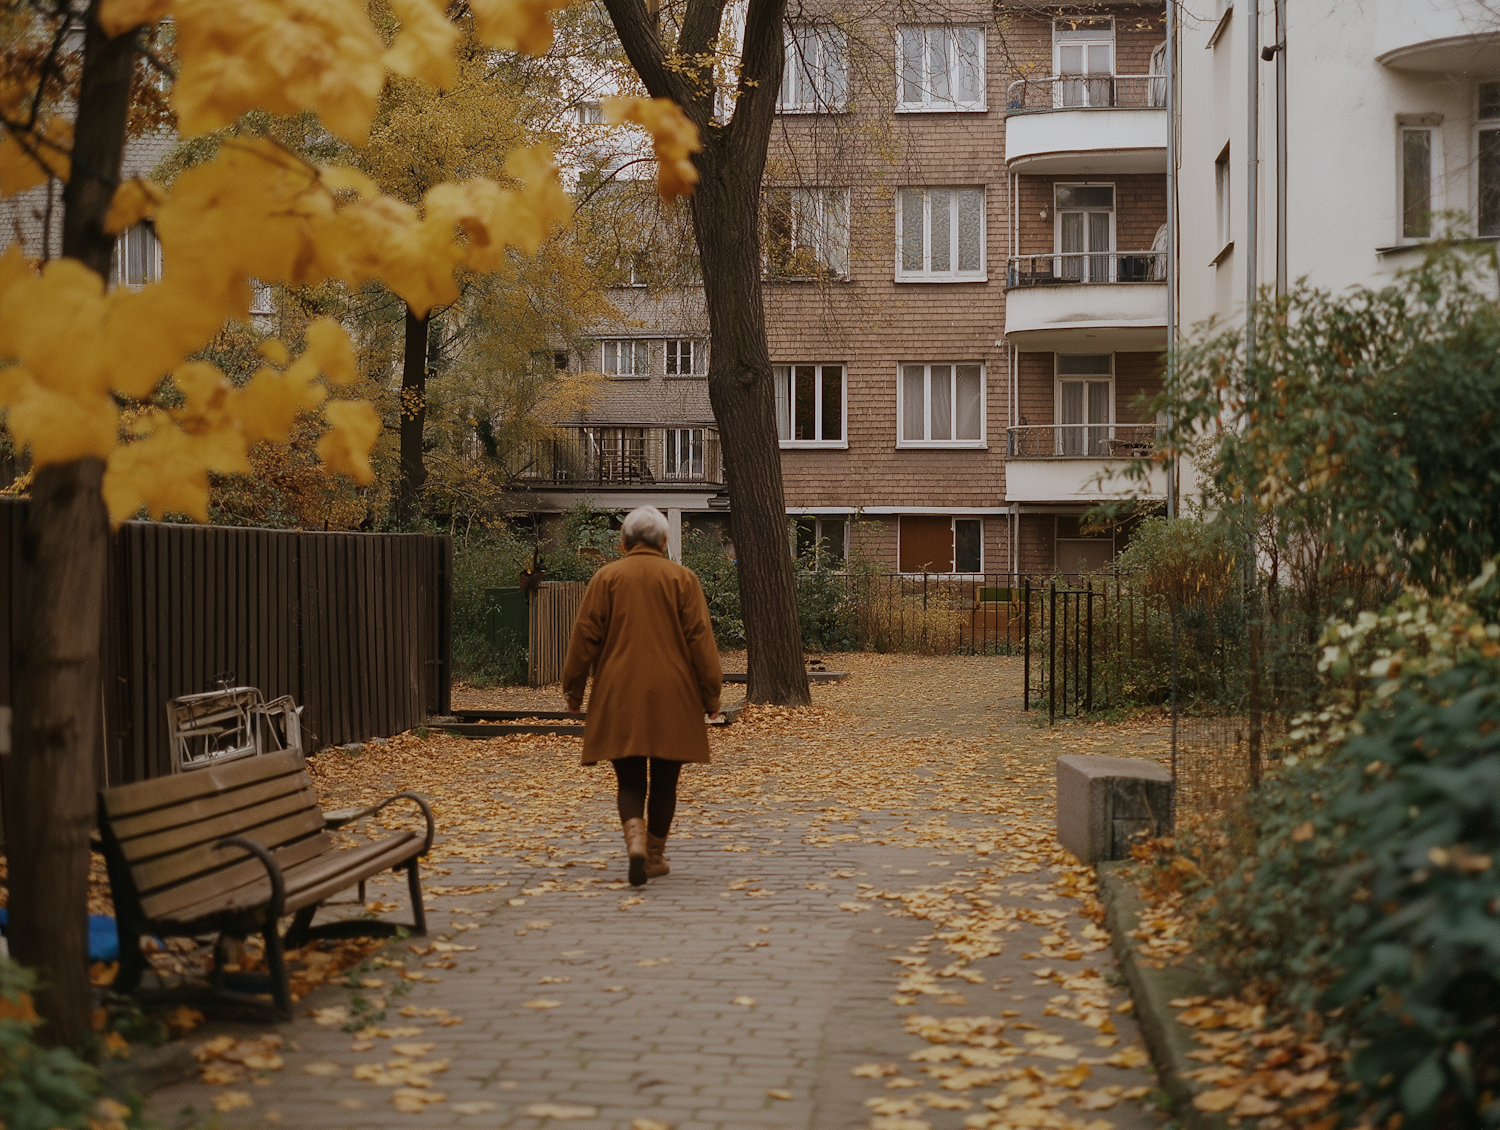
(954, 372)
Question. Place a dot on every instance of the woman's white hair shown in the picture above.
(644, 524)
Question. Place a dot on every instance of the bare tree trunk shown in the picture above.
(413, 419)
(64, 553)
(726, 222)
(726, 215)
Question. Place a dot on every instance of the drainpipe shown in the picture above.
(1281, 264)
(1171, 228)
(1252, 169)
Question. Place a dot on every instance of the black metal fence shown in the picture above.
(1061, 647)
(355, 627)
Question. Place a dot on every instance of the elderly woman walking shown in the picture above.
(645, 631)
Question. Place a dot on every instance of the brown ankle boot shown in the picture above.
(656, 860)
(635, 848)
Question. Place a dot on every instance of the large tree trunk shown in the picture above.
(726, 215)
(413, 419)
(726, 223)
(64, 554)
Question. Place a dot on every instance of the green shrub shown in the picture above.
(705, 554)
(485, 558)
(47, 1088)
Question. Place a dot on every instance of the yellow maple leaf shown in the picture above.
(516, 25)
(423, 48)
(270, 402)
(345, 447)
(118, 16)
(134, 201)
(161, 472)
(284, 56)
(674, 139)
(329, 347)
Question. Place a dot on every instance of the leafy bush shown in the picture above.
(824, 610)
(705, 554)
(47, 1089)
(485, 558)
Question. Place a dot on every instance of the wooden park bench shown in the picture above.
(234, 848)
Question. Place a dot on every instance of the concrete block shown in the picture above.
(1104, 802)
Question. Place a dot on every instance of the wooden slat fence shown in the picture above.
(357, 628)
(554, 607)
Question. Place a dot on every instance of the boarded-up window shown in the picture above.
(926, 544)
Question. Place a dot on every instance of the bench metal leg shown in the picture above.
(276, 964)
(297, 936)
(418, 914)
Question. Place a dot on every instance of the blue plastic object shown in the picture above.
(104, 937)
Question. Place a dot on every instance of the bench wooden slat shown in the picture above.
(162, 792)
(308, 883)
(162, 904)
(202, 859)
(203, 834)
(214, 804)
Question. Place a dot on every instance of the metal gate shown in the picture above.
(1059, 644)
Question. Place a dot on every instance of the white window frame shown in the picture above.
(1111, 262)
(1431, 124)
(828, 232)
(1087, 379)
(953, 519)
(926, 274)
(781, 371)
(819, 537)
(940, 444)
(1061, 38)
(697, 357)
(1481, 125)
(640, 367)
(697, 441)
(117, 265)
(929, 104)
(796, 41)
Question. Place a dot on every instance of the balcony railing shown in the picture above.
(1086, 92)
(624, 456)
(1086, 267)
(1080, 441)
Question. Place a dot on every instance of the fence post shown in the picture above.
(1088, 700)
(1026, 646)
(1052, 658)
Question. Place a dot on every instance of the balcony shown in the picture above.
(1078, 463)
(1073, 125)
(622, 457)
(1092, 301)
(1454, 37)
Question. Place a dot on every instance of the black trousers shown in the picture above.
(657, 803)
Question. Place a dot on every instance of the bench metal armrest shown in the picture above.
(340, 817)
(273, 872)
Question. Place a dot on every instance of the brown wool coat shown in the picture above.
(645, 631)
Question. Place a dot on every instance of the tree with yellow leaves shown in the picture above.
(72, 349)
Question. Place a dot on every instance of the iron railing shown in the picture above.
(1080, 441)
(606, 455)
(1064, 267)
(1086, 92)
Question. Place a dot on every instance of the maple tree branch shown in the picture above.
(642, 42)
(760, 78)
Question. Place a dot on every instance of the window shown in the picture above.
(810, 404)
(627, 358)
(1085, 403)
(1487, 161)
(814, 78)
(807, 232)
(684, 453)
(686, 359)
(1085, 222)
(822, 541)
(940, 234)
(589, 114)
(1416, 183)
(942, 405)
(137, 256)
(1221, 200)
(1083, 53)
(942, 68)
(940, 545)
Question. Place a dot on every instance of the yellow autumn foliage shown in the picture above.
(674, 138)
(69, 347)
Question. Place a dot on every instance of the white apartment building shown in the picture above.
(1392, 130)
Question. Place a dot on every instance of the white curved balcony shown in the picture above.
(1079, 463)
(1460, 37)
(1083, 124)
(1093, 302)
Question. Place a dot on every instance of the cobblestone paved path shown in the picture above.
(786, 949)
